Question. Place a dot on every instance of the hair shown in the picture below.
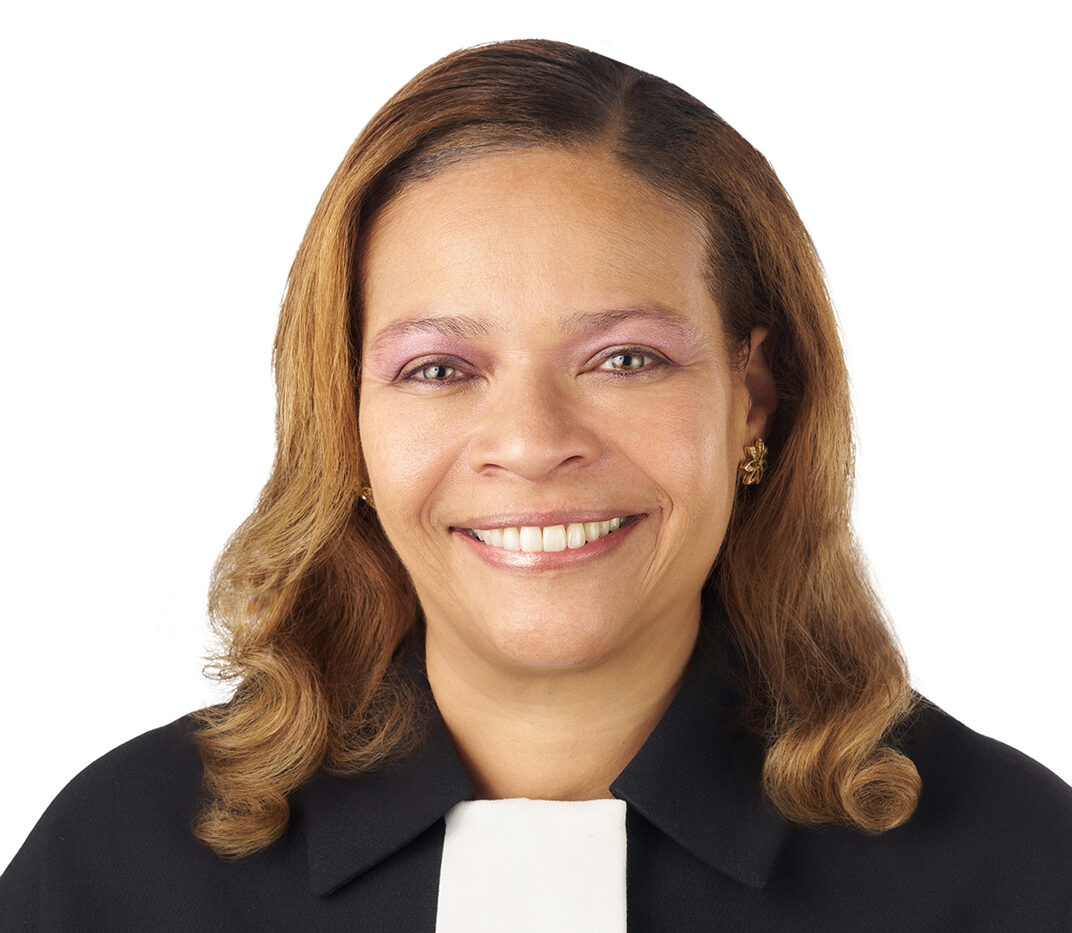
(314, 607)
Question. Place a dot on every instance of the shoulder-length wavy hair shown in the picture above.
(311, 601)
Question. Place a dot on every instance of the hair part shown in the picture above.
(313, 607)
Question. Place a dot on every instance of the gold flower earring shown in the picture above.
(366, 497)
(751, 469)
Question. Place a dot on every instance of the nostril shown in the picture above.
(533, 442)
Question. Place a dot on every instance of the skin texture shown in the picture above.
(539, 344)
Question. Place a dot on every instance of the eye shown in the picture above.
(436, 372)
(433, 372)
(632, 360)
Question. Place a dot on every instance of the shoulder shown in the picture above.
(156, 774)
(989, 847)
(132, 807)
(970, 777)
(993, 828)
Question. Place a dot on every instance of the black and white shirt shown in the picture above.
(688, 844)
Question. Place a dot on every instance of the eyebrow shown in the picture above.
(592, 321)
(464, 328)
(582, 322)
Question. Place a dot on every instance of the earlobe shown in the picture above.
(759, 383)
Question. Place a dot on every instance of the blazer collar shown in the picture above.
(696, 779)
(353, 823)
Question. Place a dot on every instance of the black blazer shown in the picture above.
(989, 848)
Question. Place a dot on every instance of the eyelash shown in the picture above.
(655, 360)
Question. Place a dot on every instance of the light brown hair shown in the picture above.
(313, 605)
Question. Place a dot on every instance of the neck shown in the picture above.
(554, 735)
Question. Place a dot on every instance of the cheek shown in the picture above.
(408, 448)
(683, 441)
(698, 472)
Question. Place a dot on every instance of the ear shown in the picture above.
(759, 385)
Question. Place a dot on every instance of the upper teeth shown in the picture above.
(531, 538)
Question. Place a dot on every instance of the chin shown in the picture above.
(553, 647)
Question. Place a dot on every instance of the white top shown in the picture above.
(532, 866)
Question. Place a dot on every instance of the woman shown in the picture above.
(549, 616)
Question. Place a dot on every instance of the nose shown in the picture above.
(532, 428)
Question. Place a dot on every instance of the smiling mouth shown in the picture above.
(535, 539)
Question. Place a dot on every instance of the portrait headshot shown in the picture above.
(560, 470)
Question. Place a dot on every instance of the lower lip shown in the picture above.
(548, 560)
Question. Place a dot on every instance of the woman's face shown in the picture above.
(541, 357)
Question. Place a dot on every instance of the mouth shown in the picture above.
(538, 539)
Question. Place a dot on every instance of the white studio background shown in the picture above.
(159, 166)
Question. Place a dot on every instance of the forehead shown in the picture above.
(532, 233)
